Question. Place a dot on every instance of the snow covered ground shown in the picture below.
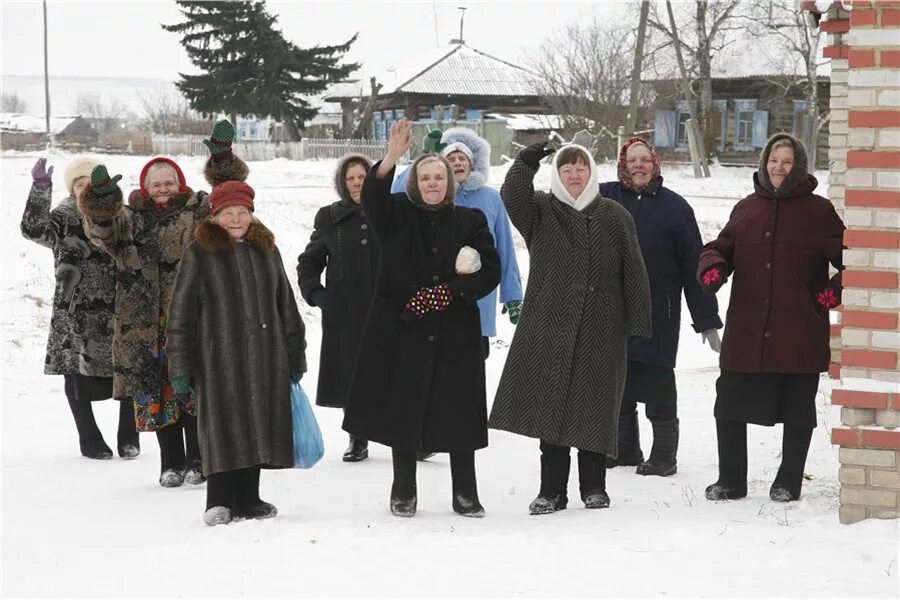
(77, 527)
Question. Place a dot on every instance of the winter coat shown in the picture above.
(777, 250)
(81, 325)
(419, 382)
(234, 328)
(342, 244)
(587, 293)
(670, 244)
(475, 193)
(146, 244)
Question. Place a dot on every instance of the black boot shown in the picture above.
(90, 440)
(665, 448)
(794, 448)
(732, 483)
(465, 489)
(424, 455)
(357, 451)
(403, 489)
(555, 465)
(592, 479)
(630, 453)
(171, 455)
(194, 467)
(127, 438)
(248, 504)
(220, 498)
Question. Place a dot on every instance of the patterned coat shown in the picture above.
(146, 244)
(81, 327)
(235, 330)
(587, 292)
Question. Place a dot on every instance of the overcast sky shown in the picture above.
(124, 39)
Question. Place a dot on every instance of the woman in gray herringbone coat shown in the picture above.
(587, 294)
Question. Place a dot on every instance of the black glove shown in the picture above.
(318, 297)
(533, 155)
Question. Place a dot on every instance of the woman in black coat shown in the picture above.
(419, 382)
(343, 246)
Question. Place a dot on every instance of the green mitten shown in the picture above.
(220, 141)
(432, 141)
(513, 308)
(181, 385)
(101, 184)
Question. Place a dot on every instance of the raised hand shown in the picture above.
(219, 142)
(401, 139)
(533, 155)
(101, 183)
(41, 176)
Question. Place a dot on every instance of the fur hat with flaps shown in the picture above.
(799, 172)
(479, 155)
(624, 177)
(80, 166)
(412, 184)
(564, 156)
(340, 175)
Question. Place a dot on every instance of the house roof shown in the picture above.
(11, 122)
(461, 70)
(529, 122)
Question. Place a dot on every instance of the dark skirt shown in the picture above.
(767, 398)
(650, 384)
(84, 388)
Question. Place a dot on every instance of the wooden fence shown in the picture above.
(308, 148)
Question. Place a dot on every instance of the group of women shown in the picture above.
(203, 338)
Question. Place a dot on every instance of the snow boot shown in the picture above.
(90, 440)
(194, 472)
(665, 447)
(592, 479)
(171, 455)
(794, 449)
(128, 443)
(732, 482)
(248, 504)
(555, 465)
(630, 453)
(424, 455)
(357, 451)
(171, 478)
(217, 515)
(403, 489)
(465, 488)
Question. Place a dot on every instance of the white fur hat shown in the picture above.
(458, 147)
(80, 166)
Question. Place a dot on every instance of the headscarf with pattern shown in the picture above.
(624, 177)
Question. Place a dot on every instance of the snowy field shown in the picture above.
(78, 527)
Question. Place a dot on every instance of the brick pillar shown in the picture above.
(865, 181)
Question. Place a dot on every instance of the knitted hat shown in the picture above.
(624, 177)
(219, 143)
(78, 168)
(162, 159)
(231, 193)
(432, 141)
(101, 183)
(459, 147)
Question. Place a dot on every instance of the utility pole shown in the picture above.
(46, 79)
(462, 18)
(636, 71)
(698, 149)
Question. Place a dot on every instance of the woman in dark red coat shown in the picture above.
(777, 244)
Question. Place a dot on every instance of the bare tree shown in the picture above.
(166, 112)
(707, 27)
(792, 40)
(102, 115)
(11, 103)
(363, 127)
(584, 73)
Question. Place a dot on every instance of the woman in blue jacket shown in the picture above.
(670, 244)
(470, 158)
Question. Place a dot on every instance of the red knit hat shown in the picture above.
(231, 193)
(162, 159)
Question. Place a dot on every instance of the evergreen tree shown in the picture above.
(248, 67)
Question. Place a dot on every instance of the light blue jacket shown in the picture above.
(474, 193)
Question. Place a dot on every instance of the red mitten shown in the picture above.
(712, 279)
(430, 299)
(827, 299)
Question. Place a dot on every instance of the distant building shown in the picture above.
(23, 132)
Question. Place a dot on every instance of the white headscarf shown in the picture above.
(591, 190)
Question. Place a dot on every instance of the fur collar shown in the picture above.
(141, 203)
(591, 190)
(213, 238)
(481, 156)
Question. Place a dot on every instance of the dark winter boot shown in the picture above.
(220, 498)
(592, 479)
(248, 504)
(357, 451)
(90, 440)
(127, 438)
(422, 455)
(403, 489)
(732, 483)
(630, 453)
(171, 455)
(665, 448)
(794, 448)
(465, 489)
(194, 467)
(555, 465)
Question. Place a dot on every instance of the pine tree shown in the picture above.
(249, 68)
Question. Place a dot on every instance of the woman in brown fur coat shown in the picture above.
(235, 331)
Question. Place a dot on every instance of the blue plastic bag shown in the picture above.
(308, 445)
